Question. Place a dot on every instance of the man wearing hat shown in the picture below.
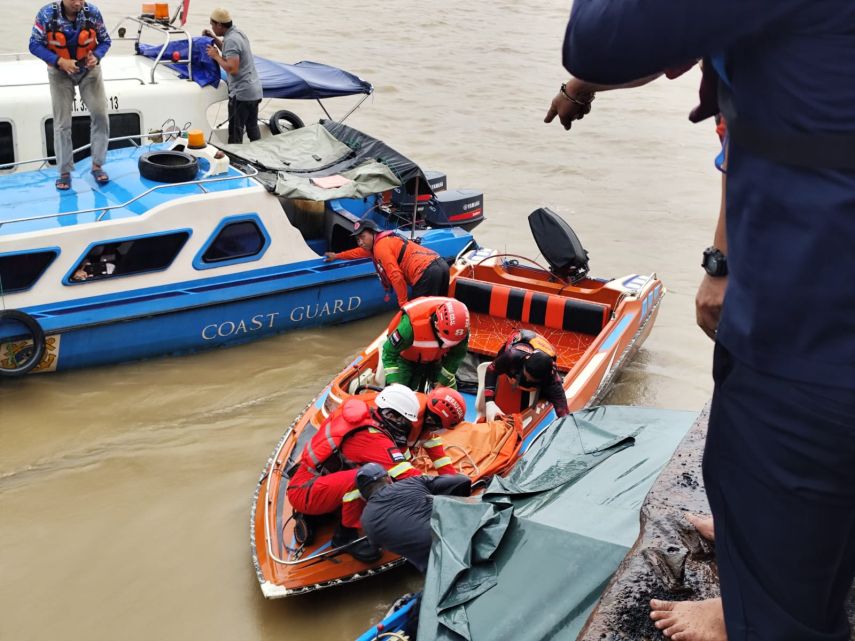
(399, 262)
(230, 49)
(397, 515)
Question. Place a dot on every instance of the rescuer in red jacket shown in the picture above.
(354, 434)
(441, 409)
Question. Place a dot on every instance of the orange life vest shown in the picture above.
(322, 454)
(528, 340)
(426, 347)
(87, 39)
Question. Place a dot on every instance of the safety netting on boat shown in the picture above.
(532, 557)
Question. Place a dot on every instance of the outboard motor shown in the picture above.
(559, 245)
(437, 206)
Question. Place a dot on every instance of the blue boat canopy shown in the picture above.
(301, 81)
(307, 79)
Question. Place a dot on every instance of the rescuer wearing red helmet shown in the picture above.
(324, 480)
(427, 340)
(440, 409)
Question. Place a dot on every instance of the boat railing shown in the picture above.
(106, 80)
(201, 182)
(163, 133)
(169, 33)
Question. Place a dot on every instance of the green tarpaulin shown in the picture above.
(529, 559)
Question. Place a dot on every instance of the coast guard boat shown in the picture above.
(192, 246)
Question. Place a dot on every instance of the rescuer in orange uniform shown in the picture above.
(426, 342)
(356, 433)
(399, 262)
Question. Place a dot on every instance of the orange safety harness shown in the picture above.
(87, 39)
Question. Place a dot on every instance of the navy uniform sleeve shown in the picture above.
(449, 484)
(612, 42)
(555, 394)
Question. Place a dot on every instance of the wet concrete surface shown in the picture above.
(670, 560)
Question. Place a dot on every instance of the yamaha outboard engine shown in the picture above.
(438, 206)
(559, 245)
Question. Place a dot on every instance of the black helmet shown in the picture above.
(367, 475)
(361, 225)
(538, 365)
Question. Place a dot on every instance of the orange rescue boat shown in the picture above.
(595, 325)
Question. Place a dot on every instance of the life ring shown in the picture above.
(278, 127)
(168, 166)
(33, 355)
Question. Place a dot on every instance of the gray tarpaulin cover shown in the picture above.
(312, 151)
(529, 560)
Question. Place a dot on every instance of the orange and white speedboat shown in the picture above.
(595, 326)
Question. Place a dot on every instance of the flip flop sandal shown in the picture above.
(100, 176)
(63, 183)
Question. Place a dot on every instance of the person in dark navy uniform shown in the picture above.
(779, 463)
(397, 515)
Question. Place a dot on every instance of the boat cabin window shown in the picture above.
(7, 144)
(20, 271)
(129, 256)
(121, 124)
(238, 239)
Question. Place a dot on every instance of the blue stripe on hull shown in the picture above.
(221, 310)
(222, 324)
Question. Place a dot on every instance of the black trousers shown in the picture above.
(433, 281)
(779, 468)
(243, 115)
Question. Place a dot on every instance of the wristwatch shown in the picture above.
(714, 262)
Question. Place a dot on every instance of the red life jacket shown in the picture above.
(323, 453)
(426, 347)
(87, 38)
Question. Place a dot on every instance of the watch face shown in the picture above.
(715, 263)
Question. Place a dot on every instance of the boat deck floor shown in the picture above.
(488, 333)
(29, 201)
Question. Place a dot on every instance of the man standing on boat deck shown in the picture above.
(399, 262)
(71, 38)
(233, 54)
(779, 462)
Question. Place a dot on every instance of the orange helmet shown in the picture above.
(452, 322)
(447, 405)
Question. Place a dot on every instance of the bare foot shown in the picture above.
(689, 620)
(703, 524)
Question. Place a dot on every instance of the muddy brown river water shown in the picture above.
(125, 491)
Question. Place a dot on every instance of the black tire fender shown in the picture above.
(168, 166)
(32, 355)
(275, 123)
